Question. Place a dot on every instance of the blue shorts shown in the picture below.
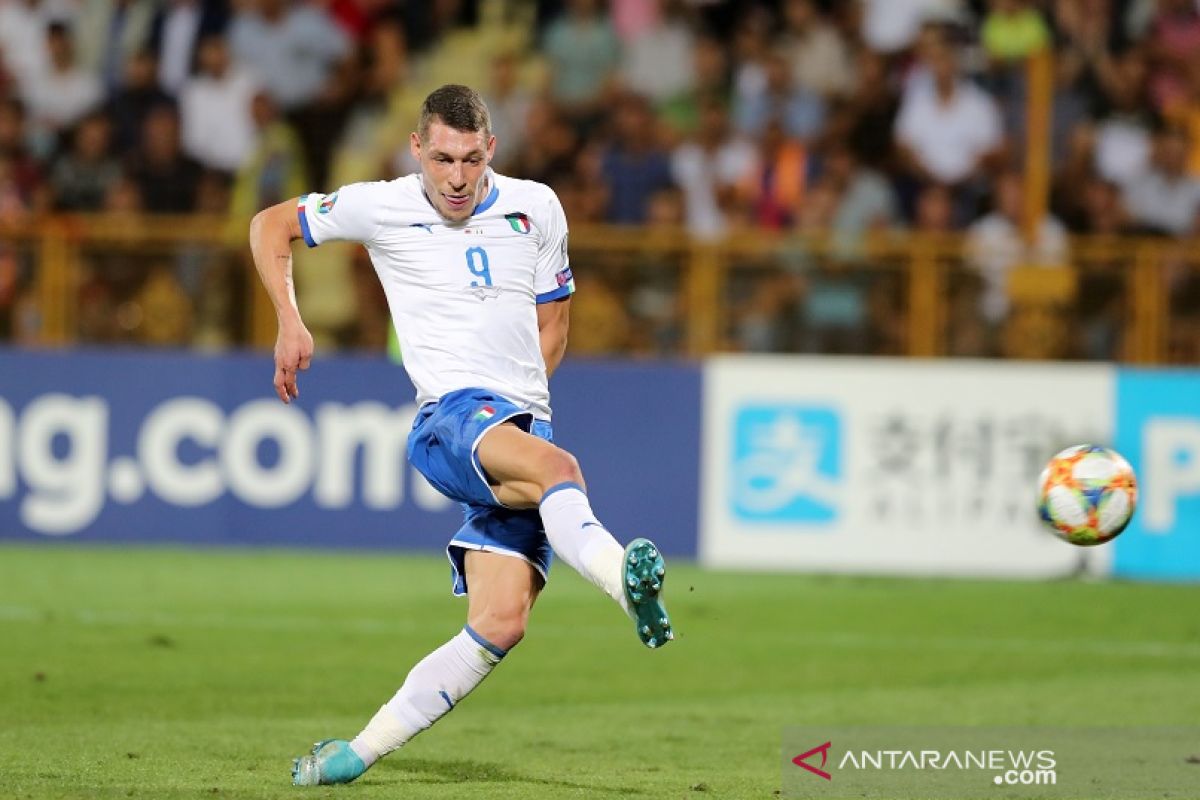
(442, 446)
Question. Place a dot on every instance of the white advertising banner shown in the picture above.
(892, 466)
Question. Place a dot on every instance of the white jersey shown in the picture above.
(463, 295)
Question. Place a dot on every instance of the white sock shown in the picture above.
(433, 687)
(581, 541)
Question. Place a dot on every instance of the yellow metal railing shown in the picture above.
(63, 254)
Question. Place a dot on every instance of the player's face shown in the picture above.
(453, 167)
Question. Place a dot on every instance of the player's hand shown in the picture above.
(293, 352)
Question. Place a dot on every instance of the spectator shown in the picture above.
(214, 109)
(1185, 114)
(771, 195)
(750, 49)
(801, 111)
(1174, 38)
(867, 118)
(23, 50)
(948, 127)
(583, 53)
(509, 104)
(1164, 198)
(634, 166)
(109, 32)
(658, 59)
(1123, 132)
(817, 53)
(61, 96)
(553, 158)
(274, 170)
(1014, 29)
(865, 199)
(293, 49)
(1104, 213)
(165, 177)
(709, 167)
(654, 301)
(81, 178)
(996, 245)
(710, 83)
(139, 92)
(24, 171)
(1076, 168)
(935, 210)
(179, 27)
(891, 26)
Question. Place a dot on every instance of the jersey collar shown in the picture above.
(487, 203)
(490, 200)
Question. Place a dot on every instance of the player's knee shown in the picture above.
(505, 629)
(560, 467)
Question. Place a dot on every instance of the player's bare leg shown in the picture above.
(501, 590)
(532, 472)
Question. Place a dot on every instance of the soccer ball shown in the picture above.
(1087, 494)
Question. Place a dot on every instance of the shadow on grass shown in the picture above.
(426, 770)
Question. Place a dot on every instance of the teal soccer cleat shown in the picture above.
(644, 575)
(331, 761)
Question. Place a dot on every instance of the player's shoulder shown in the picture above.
(530, 197)
(396, 191)
(518, 189)
(397, 201)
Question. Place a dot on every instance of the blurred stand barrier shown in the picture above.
(649, 291)
(816, 464)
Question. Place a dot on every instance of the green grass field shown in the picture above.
(171, 673)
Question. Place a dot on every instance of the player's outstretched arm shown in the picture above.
(272, 232)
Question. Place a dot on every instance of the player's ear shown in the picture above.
(414, 145)
(491, 147)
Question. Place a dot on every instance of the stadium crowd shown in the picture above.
(713, 115)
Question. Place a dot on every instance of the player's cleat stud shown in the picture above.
(644, 577)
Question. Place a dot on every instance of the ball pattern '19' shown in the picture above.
(1087, 494)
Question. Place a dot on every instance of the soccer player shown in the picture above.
(476, 273)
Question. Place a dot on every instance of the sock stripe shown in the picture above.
(558, 487)
(484, 643)
(446, 697)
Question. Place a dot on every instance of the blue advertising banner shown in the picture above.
(1158, 430)
(136, 447)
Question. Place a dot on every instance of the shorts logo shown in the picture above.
(327, 203)
(787, 464)
(484, 414)
(519, 222)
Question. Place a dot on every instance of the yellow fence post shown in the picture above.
(1149, 306)
(1040, 79)
(53, 283)
(926, 299)
(705, 273)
